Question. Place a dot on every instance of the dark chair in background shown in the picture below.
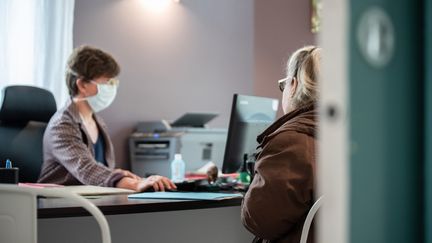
(24, 114)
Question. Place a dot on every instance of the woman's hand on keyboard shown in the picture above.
(157, 183)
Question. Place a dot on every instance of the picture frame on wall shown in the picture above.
(316, 7)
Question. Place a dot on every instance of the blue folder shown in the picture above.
(185, 195)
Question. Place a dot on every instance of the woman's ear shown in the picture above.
(294, 84)
(81, 85)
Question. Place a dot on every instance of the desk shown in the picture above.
(143, 220)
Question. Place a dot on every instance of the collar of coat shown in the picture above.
(302, 120)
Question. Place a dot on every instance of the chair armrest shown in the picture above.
(309, 218)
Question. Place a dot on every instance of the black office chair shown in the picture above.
(24, 114)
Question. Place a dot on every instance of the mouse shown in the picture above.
(151, 189)
(171, 190)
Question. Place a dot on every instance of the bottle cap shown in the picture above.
(177, 156)
(8, 164)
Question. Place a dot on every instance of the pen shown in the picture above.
(8, 164)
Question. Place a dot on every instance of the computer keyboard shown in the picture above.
(204, 186)
(186, 185)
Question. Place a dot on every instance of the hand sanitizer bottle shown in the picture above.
(178, 168)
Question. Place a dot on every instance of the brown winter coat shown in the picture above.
(282, 192)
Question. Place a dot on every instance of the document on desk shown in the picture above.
(185, 195)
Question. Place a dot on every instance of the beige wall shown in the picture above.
(190, 56)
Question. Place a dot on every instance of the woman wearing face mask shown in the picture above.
(76, 146)
(282, 191)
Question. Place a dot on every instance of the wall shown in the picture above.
(190, 56)
(187, 57)
(280, 27)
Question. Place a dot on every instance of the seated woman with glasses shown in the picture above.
(76, 146)
(282, 191)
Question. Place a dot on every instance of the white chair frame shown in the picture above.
(18, 205)
(309, 218)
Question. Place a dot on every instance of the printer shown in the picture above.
(153, 144)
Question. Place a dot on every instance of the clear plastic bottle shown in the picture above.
(178, 168)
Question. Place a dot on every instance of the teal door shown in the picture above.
(387, 123)
(428, 121)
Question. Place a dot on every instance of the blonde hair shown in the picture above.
(304, 65)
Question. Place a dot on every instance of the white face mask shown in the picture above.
(104, 97)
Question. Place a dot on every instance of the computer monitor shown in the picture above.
(194, 119)
(250, 116)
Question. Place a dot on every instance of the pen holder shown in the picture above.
(9, 175)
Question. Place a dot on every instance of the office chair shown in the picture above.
(24, 114)
(18, 212)
(309, 218)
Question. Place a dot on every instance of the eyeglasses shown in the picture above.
(112, 82)
(282, 83)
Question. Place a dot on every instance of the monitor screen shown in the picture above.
(250, 116)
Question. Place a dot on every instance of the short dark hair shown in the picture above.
(88, 63)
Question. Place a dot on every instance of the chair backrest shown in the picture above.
(18, 212)
(309, 218)
(24, 114)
